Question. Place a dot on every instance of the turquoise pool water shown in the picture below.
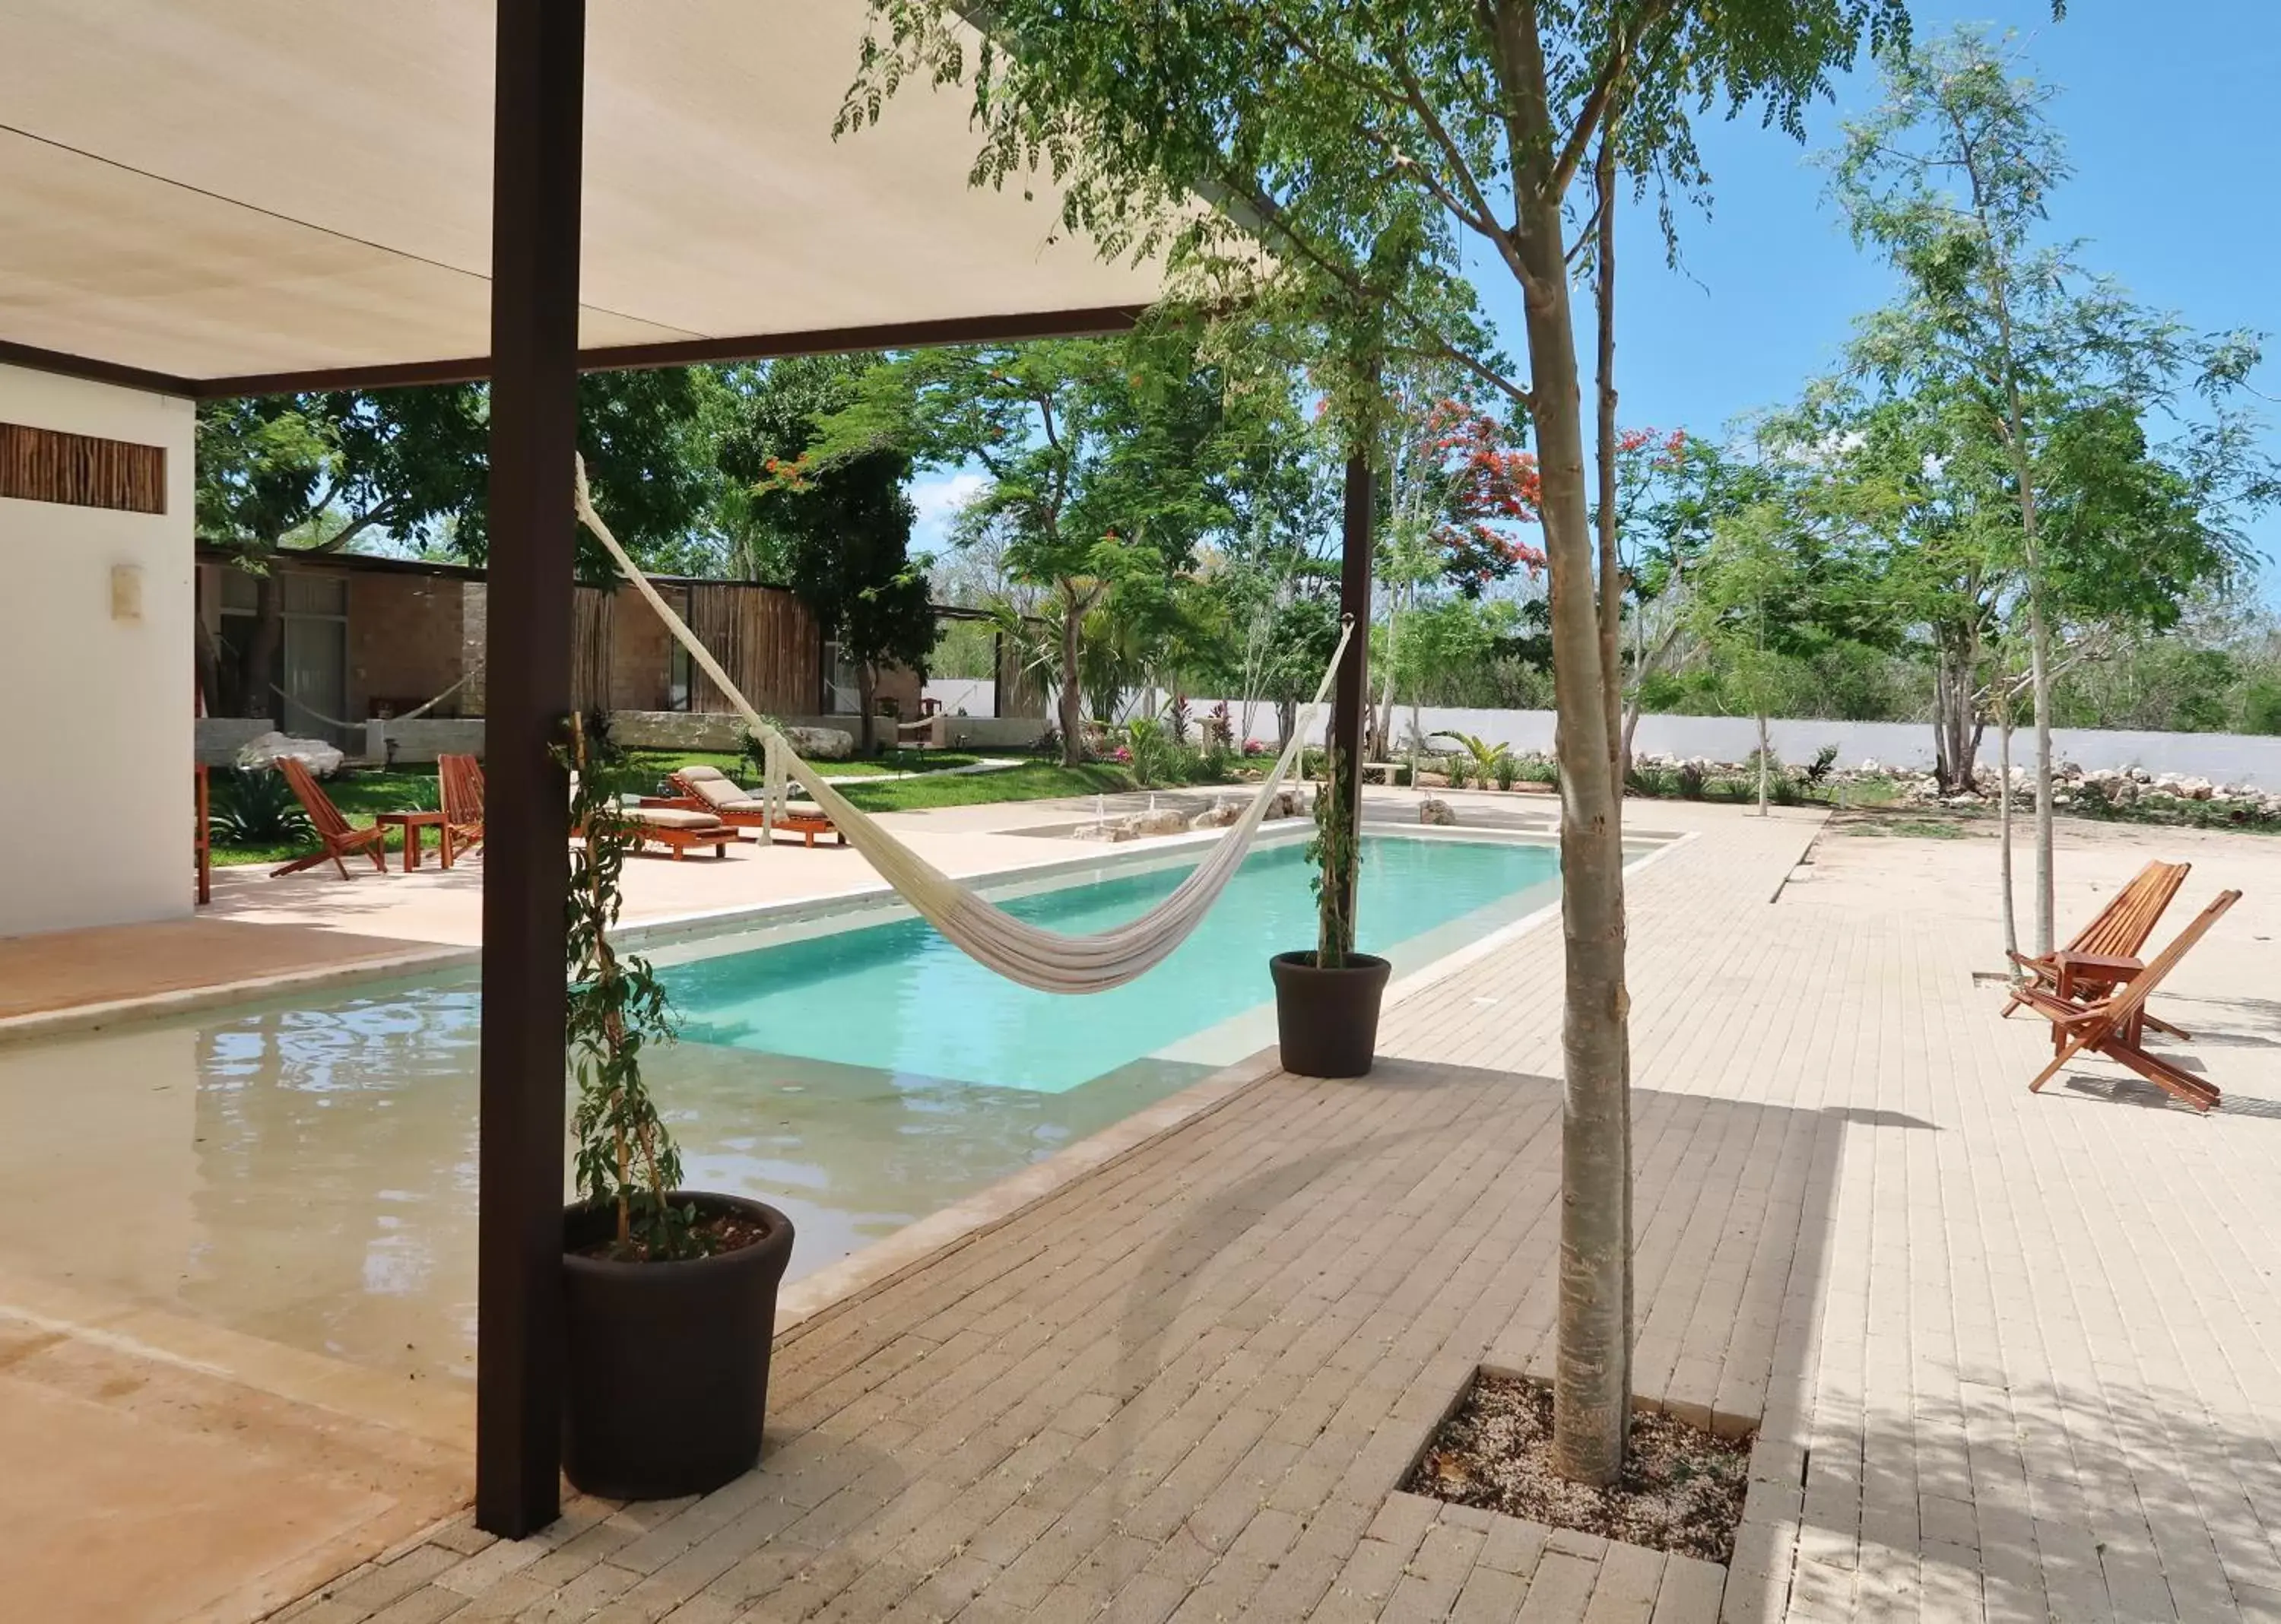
(897, 998)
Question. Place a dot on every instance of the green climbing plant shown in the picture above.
(1337, 857)
(625, 1158)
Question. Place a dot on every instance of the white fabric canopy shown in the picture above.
(232, 187)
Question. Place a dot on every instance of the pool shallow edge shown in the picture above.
(842, 1285)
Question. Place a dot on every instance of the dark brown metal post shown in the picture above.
(1349, 696)
(534, 425)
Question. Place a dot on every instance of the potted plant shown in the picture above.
(1326, 1001)
(669, 1298)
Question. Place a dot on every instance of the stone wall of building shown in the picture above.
(406, 642)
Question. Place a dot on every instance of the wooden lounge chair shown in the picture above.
(708, 789)
(461, 781)
(2105, 951)
(679, 827)
(2114, 1025)
(331, 827)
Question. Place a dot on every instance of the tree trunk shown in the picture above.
(1072, 700)
(2004, 812)
(2039, 646)
(1611, 614)
(1592, 1403)
(1956, 733)
(1762, 763)
(1386, 685)
(257, 664)
(867, 681)
(1612, 596)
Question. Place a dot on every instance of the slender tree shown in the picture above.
(1329, 129)
(1952, 178)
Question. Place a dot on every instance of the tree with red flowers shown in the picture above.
(1491, 489)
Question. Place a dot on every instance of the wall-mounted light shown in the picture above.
(127, 592)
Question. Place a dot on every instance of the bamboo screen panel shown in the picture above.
(765, 639)
(590, 623)
(79, 470)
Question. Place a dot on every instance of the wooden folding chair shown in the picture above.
(460, 782)
(2086, 968)
(2113, 1025)
(331, 827)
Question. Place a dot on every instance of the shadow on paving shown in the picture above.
(1280, 1341)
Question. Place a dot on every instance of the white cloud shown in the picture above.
(938, 500)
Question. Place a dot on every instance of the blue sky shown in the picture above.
(2168, 125)
(2167, 122)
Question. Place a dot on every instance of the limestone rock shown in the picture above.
(1222, 813)
(1160, 820)
(1435, 810)
(1114, 831)
(821, 744)
(322, 759)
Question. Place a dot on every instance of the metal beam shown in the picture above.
(534, 428)
(1350, 696)
(32, 358)
(1012, 327)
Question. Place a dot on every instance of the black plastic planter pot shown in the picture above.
(668, 1363)
(1327, 1019)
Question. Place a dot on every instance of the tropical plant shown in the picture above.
(1155, 757)
(1482, 758)
(254, 805)
(1507, 770)
(1336, 855)
(1457, 770)
(1690, 780)
(1817, 771)
(624, 1156)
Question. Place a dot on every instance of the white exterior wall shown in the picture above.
(95, 727)
(2223, 758)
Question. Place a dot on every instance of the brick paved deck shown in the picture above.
(2015, 1356)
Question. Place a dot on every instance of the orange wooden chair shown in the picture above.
(2103, 954)
(2113, 1025)
(331, 827)
(459, 780)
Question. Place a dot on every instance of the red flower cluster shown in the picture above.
(1497, 485)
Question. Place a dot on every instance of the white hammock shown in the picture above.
(1022, 952)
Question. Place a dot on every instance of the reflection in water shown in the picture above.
(306, 1172)
(309, 1175)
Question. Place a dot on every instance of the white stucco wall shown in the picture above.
(95, 712)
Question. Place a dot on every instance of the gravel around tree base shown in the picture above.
(1681, 1489)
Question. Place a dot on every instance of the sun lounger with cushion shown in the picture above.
(709, 789)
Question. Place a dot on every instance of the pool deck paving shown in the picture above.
(2008, 1355)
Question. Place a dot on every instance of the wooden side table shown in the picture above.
(412, 824)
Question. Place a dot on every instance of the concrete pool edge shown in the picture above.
(843, 1286)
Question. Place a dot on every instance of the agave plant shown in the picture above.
(255, 807)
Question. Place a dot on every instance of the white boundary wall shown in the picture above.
(2222, 758)
(96, 736)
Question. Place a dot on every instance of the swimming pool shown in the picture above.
(897, 998)
(304, 1170)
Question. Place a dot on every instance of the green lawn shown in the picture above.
(363, 794)
(1031, 781)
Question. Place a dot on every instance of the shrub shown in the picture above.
(1155, 757)
(1507, 770)
(255, 807)
(1538, 769)
(1690, 780)
(1818, 771)
(1457, 767)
